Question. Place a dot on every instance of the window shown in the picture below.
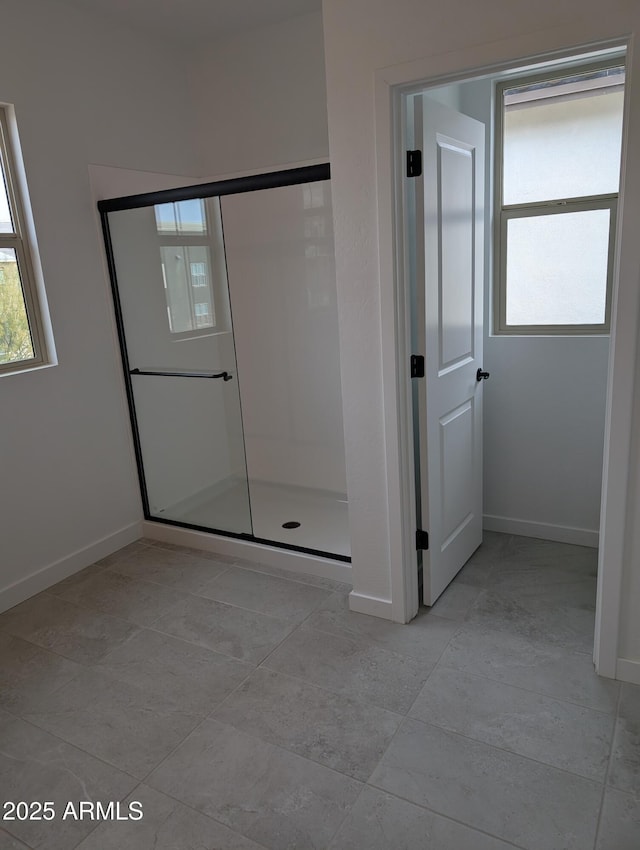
(22, 340)
(558, 142)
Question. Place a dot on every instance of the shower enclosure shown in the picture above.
(225, 302)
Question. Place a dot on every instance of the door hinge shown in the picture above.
(414, 163)
(417, 366)
(422, 539)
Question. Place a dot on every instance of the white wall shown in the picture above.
(84, 92)
(464, 35)
(271, 81)
(544, 410)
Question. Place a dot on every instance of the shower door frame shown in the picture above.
(233, 186)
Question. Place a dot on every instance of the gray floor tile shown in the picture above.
(77, 579)
(558, 733)
(8, 842)
(619, 822)
(28, 673)
(456, 601)
(477, 573)
(183, 570)
(243, 634)
(516, 576)
(534, 806)
(164, 667)
(190, 550)
(379, 821)
(116, 721)
(304, 578)
(331, 729)
(140, 602)
(353, 667)
(534, 665)
(563, 615)
(77, 633)
(125, 552)
(37, 766)
(269, 795)
(424, 638)
(625, 759)
(289, 600)
(166, 825)
(529, 552)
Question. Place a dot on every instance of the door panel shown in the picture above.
(455, 244)
(174, 303)
(450, 267)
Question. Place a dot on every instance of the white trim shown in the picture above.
(363, 604)
(67, 566)
(395, 343)
(628, 671)
(543, 530)
(246, 550)
(391, 86)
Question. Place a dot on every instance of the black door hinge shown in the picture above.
(422, 539)
(417, 366)
(414, 163)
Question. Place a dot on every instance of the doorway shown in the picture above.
(581, 535)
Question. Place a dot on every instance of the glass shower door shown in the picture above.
(174, 302)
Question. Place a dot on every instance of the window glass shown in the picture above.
(16, 343)
(181, 217)
(185, 269)
(6, 223)
(562, 138)
(557, 268)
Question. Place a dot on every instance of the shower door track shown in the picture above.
(250, 538)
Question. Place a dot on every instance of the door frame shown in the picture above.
(391, 87)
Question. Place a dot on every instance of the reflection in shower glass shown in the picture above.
(188, 287)
(174, 297)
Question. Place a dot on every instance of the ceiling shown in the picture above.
(192, 21)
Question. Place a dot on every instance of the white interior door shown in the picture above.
(449, 291)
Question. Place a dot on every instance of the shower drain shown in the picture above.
(291, 525)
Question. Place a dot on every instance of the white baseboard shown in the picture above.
(67, 566)
(370, 605)
(545, 531)
(246, 550)
(628, 671)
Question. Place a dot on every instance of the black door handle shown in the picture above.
(481, 376)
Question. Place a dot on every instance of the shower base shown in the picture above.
(322, 516)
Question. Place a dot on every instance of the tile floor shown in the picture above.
(247, 708)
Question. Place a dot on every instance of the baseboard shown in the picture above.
(363, 604)
(545, 531)
(628, 671)
(67, 566)
(246, 550)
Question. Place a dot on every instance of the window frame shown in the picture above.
(503, 213)
(18, 240)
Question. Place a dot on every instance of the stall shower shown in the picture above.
(225, 300)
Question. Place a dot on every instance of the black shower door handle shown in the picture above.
(224, 375)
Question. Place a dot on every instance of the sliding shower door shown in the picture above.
(282, 283)
(250, 447)
(179, 352)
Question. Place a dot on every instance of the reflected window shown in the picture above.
(185, 268)
(181, 217)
